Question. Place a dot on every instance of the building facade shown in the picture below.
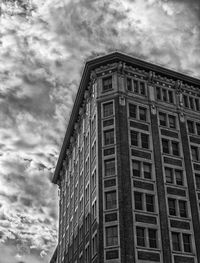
(129, 167)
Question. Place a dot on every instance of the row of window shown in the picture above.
(164, 94)
(191, 102)
(136, 86)
(170, 147)
(139, 139)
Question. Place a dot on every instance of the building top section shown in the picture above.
(123, 64)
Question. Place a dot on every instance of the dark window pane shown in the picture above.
(129, 84)
(110, 200)
(109, 167)
(142, 114)
(164, 93)
(152, 238)
(132, 111)
(190, 125)
(169, 175)
(142, 88)
(147, 170)
(198, 128)
(107, 109)
(197, 176)
(134, 138)
(195, 155)
(138, 201)
(176, 241)
(140, 236)
(145, 140)
(171, 98)
(149, 203)
(163, 119)
(179, 177)
(172, 207)
(158, 93)
(175, 148)
(136, 168)
(136, 86)
(165, 145)
(172, 121)
(111, 236)
(107, 84)
(108, 137)
(185, 101)
(191, 103)
(182, 208)
(197, 104)
(187, 243)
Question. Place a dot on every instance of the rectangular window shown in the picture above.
(172, 121)
(195, 155)
(132, 111)
(149, 203)
(175, 148)
(185, 101)
(136, 86)
(171, 98)
(197, 177)
(94, 210)
(179, 177)
(176, 241)
(145, 140)
(94, 180)
(134, 138)
(191, 103)
(109, 166)
(111, 236)
(140, 236)
(197, 104)
(147, 170)
(108, 109)
(172, 206)
(152, 238)
(107, 84)
(142, 88)
(136, 168)
(94, 245)
(182, 208)
(138, 201)
(163, 119)
(198, 128)
(110, 200)
(142, 114)
(169, 175)
(164, 93)
(158, 93)
(129, 84)
(187, 243)
(109, 137)
(165, 146)
(190, 125)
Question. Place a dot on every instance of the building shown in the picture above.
(129, 167)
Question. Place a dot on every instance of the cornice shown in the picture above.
(122, 62)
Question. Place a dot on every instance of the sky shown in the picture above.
(44, 45)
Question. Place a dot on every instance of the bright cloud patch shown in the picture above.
(43, 48)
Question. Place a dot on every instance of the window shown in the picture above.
(94, 210)
(167, 120)
(93, 153)
(165, 146)
(107, 84)
(141, 169)
(94, 244)
(138, 112)
(136, 168)
(108, 137)
(87, 193)
(172, 121)
(187, 243)
(171, 98)
(165, 95)
(139, 139)
(177, 207)
(109, 167)
(136, 86)
(140, 236)
(108, 109)
(197, 177)
(178, 177)
(142, 88)
(170, 147)
(93, 181)
(191, 101)
(146, 237)
(110, 200)
(111, 236)
(158, 93)
(133, 111)
(87, 223)
(152, 238)
(181, 242)
(185, 101)
(195, 154)
(129, 84)
(190, 125)
(198, 128)
(138, 201)
(163, 119)
(197, 104)
(174, 176)
(87, 254)
(144, 202)
(176, 241)
(169, 175)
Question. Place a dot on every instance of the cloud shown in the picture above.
(43, 48)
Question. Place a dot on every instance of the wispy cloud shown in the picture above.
(43, 47)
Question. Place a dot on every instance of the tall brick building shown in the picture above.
(129, 167)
